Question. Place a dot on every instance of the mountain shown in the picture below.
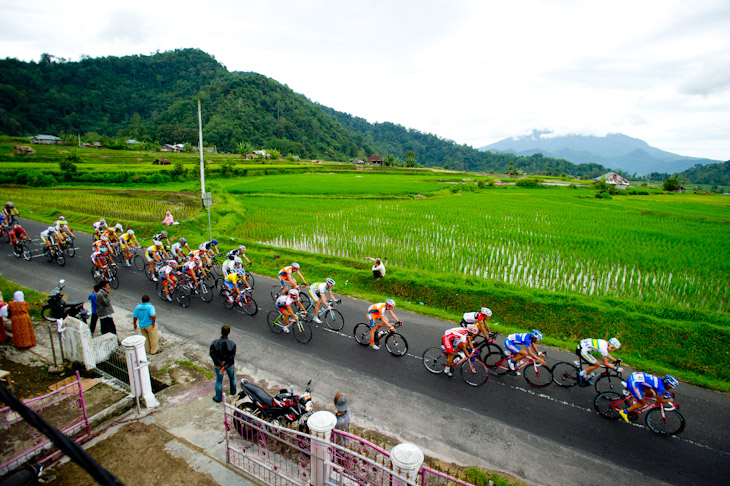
(615, 150)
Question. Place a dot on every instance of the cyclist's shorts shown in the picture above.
(586, 355)
(314, 294)
(229, 285)
(280, 307)
(512, 346)
(100, 261)
(149, 258)
(284, 280)
(375, 320)
(635, 388)
(44, 240)
(448, 346)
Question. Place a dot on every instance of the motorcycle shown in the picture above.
(286, 408)
(57, 308)
(27, 476)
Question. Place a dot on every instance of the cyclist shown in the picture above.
(129, 243)
(286, 278)
(229, 265)
(192, 267)
(102, 242)
(208, 248)
(588, 346)
(99, 259)
(238, 252)
(513, 342)
(154, 255)
(232, 281)
(377, 318)
(99, 227)
(317, 290)
(167, 276)
(62, 228)
(16, 234)
(479, 319)
(643, 386)
(458, 339)
(284, 303)
(49, 237)
(178, 249)
(9, 210)
(162, 237)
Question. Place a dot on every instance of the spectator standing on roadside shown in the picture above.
(104, 309)
(378, 268)
(19, 312)
(145, 313)
(94, 314)
(223, 354)
(343, 417)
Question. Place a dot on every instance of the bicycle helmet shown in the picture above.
(330, 282)
(615, 343)
(51, 230)
(214, 242)
(241, 248)
(104, 238)
(61, 218)
(104, 250)
(197, 260)
(294, 293)
(10, 203)
(390, 303)
(172, 262)
(670, 381)
(536, 334)
(472, 328)
(102, 221)
(130, 232)
(295, 266)
(62, 222)
(163, 232)
(183, 241)
(237, 261)
(119, 227)
(17, 226)
(157, 242)
(486, 311)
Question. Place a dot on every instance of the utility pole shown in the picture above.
(206, 197)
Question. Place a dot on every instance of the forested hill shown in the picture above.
(153, 98)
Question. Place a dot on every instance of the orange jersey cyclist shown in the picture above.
(378, 319)
(287, 279)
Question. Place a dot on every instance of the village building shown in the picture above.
(45, 139)
(615, 180)
(375, 160)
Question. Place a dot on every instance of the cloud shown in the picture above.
(713, 77)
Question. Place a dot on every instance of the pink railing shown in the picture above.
(21, 443)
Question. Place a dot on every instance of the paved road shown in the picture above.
(547, 436)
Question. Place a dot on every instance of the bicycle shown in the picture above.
(535, 374)
(108, 273)
(395, 343)
(334, 319)
(176, 290)
(243, 300)
(662, 419)
(473, 370)
(148, 273)
(67, 243)
(54, 253)
(200, 288)
(133, 259)
(277, 290)
(21, 248)
(4, 233)
(567, 375)
(487, 349)
(302, 330)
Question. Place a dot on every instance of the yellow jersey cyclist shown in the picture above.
(605, 348)
(645, 385)
(180, 250)
(62, 228)
(129, 243)
(457, 340)
(479, 319)
(527, 339)
(49, 237)
(284, 305)
(287, 279)
(317, 290)
(234, 282)
(154, 254)
(236, 266)
(377, 318)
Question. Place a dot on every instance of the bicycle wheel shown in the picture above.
(539, 376)
(609, 383)
(114, 281)
(70, 248)
(60, 259)
(139, 263)
(206, 295)
(17, 251)
(434, 359)
(275, 292)
(396, 344)
(160, 289)
(671, 424)
(182, 296)
(26, 252)
(47, 254)
(362, 334)
(334, 319)
(606, 403)
(273, 319)
(226, 298)
(249, 279)
(565, 374)
(490, 353)
(474, 373)
(249, 305)
(302, 332)
(148, 272)
(500, 366)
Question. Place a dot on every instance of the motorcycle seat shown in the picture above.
(258, 394)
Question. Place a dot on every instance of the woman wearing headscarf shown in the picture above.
(19, 311)
(3, 314)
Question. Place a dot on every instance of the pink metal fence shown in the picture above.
(21, 443)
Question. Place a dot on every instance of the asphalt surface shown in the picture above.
(546, 436)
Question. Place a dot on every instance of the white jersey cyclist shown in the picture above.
(587, 346)
(229, 266)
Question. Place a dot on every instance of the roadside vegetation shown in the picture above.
(649, 268)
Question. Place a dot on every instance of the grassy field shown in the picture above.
(650, 269)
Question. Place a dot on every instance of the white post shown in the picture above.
(139, 373)
(406, 460)
(200, 149)
(321, 424)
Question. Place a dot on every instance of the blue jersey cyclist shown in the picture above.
(645, 385)
(526, 339)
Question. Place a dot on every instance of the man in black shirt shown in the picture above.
(223, 353)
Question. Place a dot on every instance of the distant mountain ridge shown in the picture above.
(614, 150)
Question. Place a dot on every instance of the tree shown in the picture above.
(410, 158)
(672, 184)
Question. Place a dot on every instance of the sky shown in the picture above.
(471, 71)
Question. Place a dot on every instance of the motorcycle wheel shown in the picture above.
(46, 314)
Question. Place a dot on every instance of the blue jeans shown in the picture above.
(231, 371)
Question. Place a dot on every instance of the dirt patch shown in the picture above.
(31, 381)
(151, 465)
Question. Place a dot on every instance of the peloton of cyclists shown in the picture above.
(284, 303)
(479, 319)
(458, 339)
(526, 339)
(287, 279)
(377, 318)
(317, 291)
(605, 348)
(643, 386)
